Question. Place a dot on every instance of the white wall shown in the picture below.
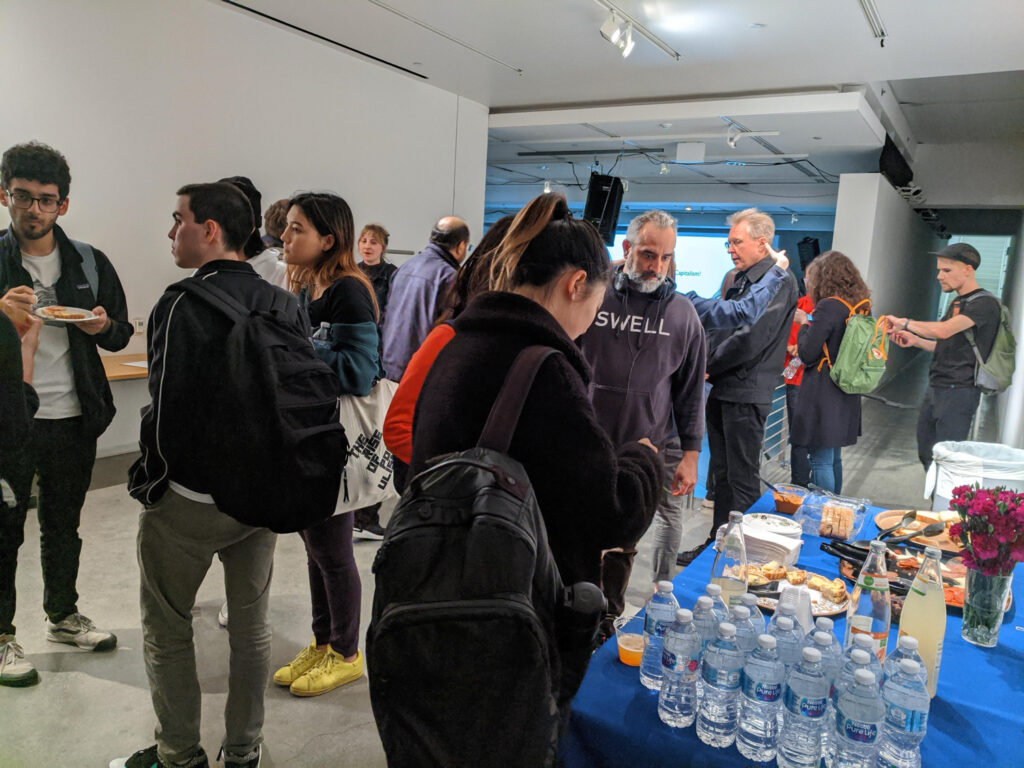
(889, 244)
(989, 175)
(147, 95)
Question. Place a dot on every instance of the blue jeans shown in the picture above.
(827, 468)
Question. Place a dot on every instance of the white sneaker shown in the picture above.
(222, 615)
(15, 670)
(77, 629)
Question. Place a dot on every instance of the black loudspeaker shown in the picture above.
(893, 166)
(808, 248)
(604, 199)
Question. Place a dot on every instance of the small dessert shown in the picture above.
(834, 591)
(756, 580)
(796, 576)
(836, 521)
(816, 582)
(773, 571)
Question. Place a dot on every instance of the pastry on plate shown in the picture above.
(816, 582)
(773, 571)
(796, 576)
(756, 580)
(834, 591)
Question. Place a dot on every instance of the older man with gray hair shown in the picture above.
(647, 350)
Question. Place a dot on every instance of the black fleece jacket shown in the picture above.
(73, 290)
(592, 496)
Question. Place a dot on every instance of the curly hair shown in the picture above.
(275, 218)
(38, 162)
(836, 275)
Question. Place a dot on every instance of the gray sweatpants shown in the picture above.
(177, 541)
(668, 518)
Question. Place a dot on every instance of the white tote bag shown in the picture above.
(367, 477)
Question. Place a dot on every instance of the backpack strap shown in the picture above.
(504, 415)
(216, 297)
(969, 332)
(92, 274)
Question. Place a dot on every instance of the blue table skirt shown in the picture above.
(976, 717)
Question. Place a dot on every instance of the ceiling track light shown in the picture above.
(874, 19)
(793, 219)
(547, 187)
(663, 171)
(618, 16)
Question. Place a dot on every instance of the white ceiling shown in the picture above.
(955, 68)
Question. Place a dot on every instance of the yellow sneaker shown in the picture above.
(330, 672)
(308, 658)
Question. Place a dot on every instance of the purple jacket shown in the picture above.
(414, 303)
(648, 352)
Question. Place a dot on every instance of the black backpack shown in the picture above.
(281, 463)
(470, 618)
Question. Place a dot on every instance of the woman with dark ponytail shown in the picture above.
(592, 497)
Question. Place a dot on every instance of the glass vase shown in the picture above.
(984, 604)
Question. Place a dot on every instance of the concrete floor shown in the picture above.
(90, 708)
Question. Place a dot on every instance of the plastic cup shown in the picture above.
(630, 641)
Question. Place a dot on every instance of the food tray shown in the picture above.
(809, 514)
(788, 498)
(890, 517)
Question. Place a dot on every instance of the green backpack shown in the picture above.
(863, 352)
(994, 375)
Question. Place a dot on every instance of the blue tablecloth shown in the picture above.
(976, 717)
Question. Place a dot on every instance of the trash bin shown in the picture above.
(965, 462)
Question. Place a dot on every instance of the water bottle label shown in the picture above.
(677, 662)
(725, 679)
(855, 730)
(654, 627)
(860, 625)
(873, 583)
(805, 706)
(906, 720)
(761, 691)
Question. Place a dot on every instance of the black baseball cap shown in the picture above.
(963, 252)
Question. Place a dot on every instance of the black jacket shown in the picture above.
(73, 290)
(744, 363)
(18, 401)
(592, 496)
(178, 435)
(824, 416)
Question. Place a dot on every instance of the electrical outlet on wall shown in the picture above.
(139, 324)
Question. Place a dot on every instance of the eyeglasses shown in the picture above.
(734, 243)
(22, 199)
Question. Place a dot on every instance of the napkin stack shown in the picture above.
(764, 547)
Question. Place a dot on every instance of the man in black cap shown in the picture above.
(972, 320)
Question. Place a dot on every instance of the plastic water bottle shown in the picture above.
(746, 632)
(906, 717)
(322, 336)
(865, 643)
(764, 676)
(788, 642)
(659, 613)
(803, 716)
(869, 611)
(858, 658)
(788, 611)
(794, 365)
(756, 615)
(680, 664)
(826, 625)
(729, 569)
(906, 648)
(714, 591)
(705, 620)
(830, 664)
(721, 671)
(857, 728)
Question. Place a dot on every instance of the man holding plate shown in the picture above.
(39, 262)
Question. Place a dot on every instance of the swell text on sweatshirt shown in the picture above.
(630, 323)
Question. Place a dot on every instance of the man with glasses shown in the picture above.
(40, 266)
(743, 369)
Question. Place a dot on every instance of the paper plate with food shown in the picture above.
(63, 314)
(828, 596)
(891, 517)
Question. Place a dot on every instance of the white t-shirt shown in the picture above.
(270, 267)
(53, 377)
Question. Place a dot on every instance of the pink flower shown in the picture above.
(985, 546)
(955, 530)
(960, 490)
(990, 570)
(1017, 551)
(968, 559)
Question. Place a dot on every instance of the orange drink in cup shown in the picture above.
(631, 644)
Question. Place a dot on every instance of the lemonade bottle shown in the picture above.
(869, 612)
(729, 570)
(924, 614)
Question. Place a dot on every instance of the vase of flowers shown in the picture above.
(991, 530)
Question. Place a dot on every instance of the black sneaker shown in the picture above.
(250, 760)
(369, 531)
(685, 558)
(148, 758)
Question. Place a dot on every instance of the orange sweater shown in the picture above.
(398, 423)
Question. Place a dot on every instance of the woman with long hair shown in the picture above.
(372, 244)
(827, 419)
(592, 496)
(318, 244)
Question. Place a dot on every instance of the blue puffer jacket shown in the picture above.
(414, 304)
